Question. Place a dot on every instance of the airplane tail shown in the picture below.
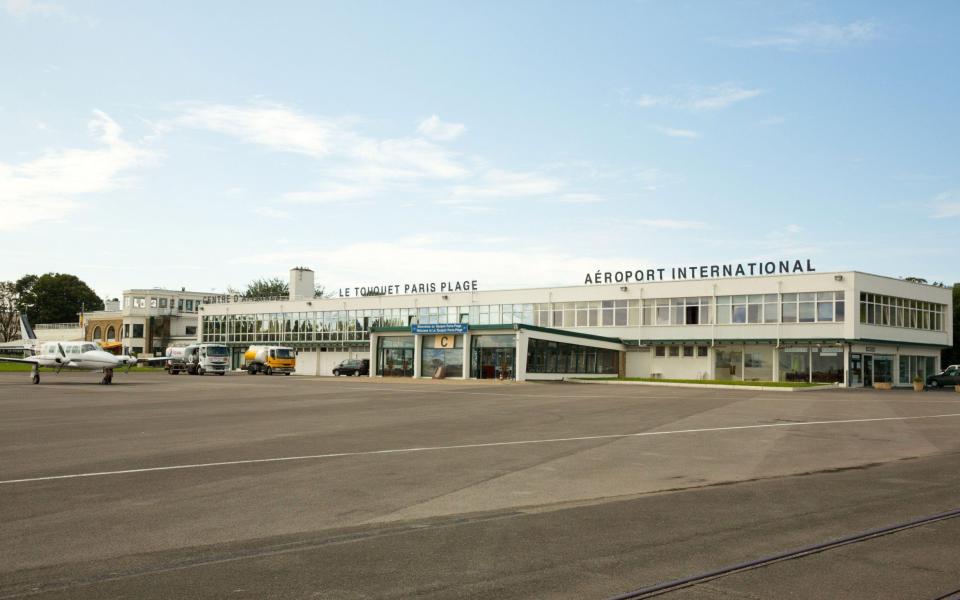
(26, 331)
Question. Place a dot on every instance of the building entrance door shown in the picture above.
(867, 370)
(494, 363)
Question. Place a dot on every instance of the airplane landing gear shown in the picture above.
(35, 374)
(107, 377)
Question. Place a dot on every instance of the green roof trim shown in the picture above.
(564, 332)
(894, 343)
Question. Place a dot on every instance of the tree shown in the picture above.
(54, 297)
(915, 279)
(9, 322)
(267, 288)
(951, 356)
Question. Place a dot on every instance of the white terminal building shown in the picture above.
(790, 324)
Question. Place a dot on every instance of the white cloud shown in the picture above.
(27, 8)
(947, 205)
(345, 152)
(425, 259)
(670, 224)
(50, 187)
(271, 213)
(506, 184)
(817, 36)
(436, 129)
(275, 126)
(722, 96)
(678, 133)
(708, 98)
(579, 198)
(336, 192)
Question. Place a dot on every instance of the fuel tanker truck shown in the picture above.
(269, 360)
(199, 359)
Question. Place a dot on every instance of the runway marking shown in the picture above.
(609, 436)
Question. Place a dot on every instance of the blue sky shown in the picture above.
(517, 143)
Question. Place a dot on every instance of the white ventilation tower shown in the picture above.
(301, 283)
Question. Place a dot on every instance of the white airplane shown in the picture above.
(83, 355)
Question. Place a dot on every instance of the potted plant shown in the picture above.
(917, 383)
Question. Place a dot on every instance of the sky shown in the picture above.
(206, 144)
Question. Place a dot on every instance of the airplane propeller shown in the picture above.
(61, 361)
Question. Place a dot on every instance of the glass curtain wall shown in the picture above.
(395, 356)
(728, 365)
(758, 365)
(827, 365)
(920, 366)
(557, 357)
(794, 364)
(493, 356)
(439, 360)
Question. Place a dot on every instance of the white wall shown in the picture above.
(643, 364)
(322, 363)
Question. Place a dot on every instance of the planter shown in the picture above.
(918, 386)
(883, 386)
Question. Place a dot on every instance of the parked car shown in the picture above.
(353, 366)
(950, 376)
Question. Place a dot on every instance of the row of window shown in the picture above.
(181, 304)
(677, 351)
(557, 357)
(890, 311)
(354, 325)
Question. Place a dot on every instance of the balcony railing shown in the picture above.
(57, 326)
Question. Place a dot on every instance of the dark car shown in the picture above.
(353, 366)
(949, 377)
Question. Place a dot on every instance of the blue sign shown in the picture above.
(438, 328)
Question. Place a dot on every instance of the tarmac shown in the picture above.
(244, 486)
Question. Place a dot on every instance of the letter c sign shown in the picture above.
(444, 341)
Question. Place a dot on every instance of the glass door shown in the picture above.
(493, 363)
(867, 370)
(504, 358)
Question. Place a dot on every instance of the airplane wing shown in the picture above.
(150, 359)
(30, 361)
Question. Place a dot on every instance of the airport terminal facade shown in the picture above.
(847, 328)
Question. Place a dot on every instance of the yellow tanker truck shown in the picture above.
(269, 360)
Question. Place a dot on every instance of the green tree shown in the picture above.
(9, 322)
(951, 356)
(267, 288)
(54, 297)
(915, 279)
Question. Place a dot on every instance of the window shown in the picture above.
(96, 333)
(190, 330)
(754, 309)
(688, 351)
(126, 330)
(138, 331)
(723, 310)
(180, 304)
(189, 305)
(163, 302)
(824, 306)
(739, 312)
(674, 350)
(807, 309)
(788, 308)
(660, 351)
(137, 350)
(111, 334)
(139, 302)
(878, 309)
(770, 309)
(701, 351)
